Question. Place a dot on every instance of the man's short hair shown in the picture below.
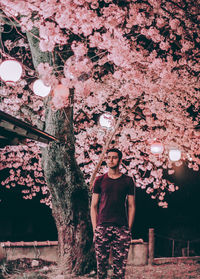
(115, 150)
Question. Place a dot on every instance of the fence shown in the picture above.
(156, 250)
(48, 250)
(173, 247)
(45, 250)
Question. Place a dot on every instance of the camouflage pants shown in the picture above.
(117, 239)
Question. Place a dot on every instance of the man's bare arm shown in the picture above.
(93, 210)
(131, 210)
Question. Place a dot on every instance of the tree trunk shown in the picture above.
(70, 197)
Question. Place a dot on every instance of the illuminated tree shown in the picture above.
(138, 60)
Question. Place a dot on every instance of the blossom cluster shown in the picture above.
(137, 59)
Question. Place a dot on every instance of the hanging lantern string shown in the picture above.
(109, 139)
(9, 57)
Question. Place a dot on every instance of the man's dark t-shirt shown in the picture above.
(113, 193)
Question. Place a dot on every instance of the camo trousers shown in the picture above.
(117, 239)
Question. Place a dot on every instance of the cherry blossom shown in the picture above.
(137, 60)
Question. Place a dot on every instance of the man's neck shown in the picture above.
(114, 173)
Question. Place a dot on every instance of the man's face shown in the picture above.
(113, 160)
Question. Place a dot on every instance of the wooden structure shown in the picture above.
(14, 131)
(151, 246)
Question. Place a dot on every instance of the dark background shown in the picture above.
(29, 220)
(179, 222)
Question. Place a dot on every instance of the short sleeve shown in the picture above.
(130, 186)
(97, 185)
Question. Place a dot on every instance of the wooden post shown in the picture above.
(173, 244)
(151, 246)
(188, 248)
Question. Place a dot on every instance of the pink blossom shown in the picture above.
(163, 204)
(79, 49)
(186, 46)
(196, 167)
(174, 23)
(48, 30)
(160, 22)
(171, 188)
(79, 2)
(95, 39)
(154, 34)
(149, 190)
(117, 75)
(161, 198)
(47, 45)
(164, 46)
(44, 68)
(47, 9)
(60, 96)
(27, 24)
(155, 3)
(19, 7)
(122, 69)
(171, 171)
(140, 19)
(94, 5)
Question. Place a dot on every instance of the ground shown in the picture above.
(39, 269)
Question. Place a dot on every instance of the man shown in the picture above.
(111, 221)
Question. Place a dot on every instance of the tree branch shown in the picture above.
(37, 55)
(109, 139)
(7, 20)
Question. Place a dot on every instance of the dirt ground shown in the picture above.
(39, 269)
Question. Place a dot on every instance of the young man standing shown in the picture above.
(111, 221)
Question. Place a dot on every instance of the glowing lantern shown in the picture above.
(40, 89)
(174, 155)
(157, 148)
(107, 121)
(10, 71)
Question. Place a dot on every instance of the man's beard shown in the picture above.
(115, 167)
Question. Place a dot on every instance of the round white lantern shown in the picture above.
(106, 120)
(157, 148)
(40, 89)
(174, 155)
(10, 71)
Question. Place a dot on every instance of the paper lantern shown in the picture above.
(10, 71)
(174, 155)
(157, 148)
(106, 120)
(40, 89)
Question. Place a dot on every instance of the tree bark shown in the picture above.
(70, 209)
(70, 194)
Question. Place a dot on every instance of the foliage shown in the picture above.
(114, 54)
